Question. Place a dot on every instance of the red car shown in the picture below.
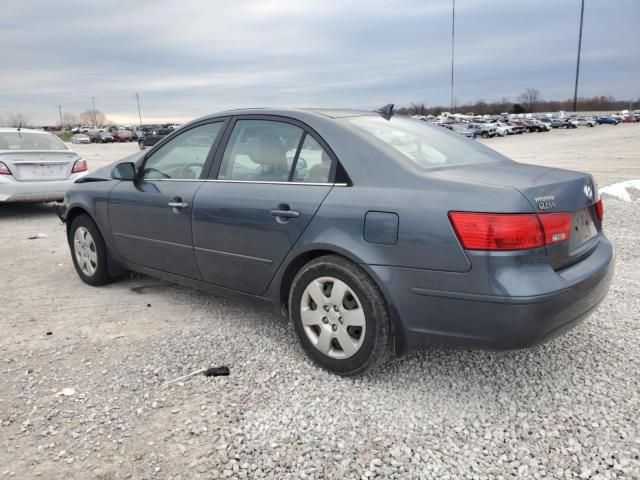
(122, 136)
(518, 126)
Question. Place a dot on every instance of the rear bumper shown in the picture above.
(41, 191)
(432, 316)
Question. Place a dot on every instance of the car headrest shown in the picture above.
(267, 149)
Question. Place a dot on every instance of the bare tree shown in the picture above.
(481, 107)
(89, 117)
(530, 98)
(505, 104)
(18, 120)
(69, 120)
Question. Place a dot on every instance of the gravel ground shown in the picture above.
(81, 372)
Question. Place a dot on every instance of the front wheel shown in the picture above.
(142, 145)
(88, 251)
(340, 316)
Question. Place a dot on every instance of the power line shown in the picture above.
(575, 91)
(139, 114)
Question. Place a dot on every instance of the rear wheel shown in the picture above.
(340, 316)
(88, 251)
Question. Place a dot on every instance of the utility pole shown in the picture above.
(575, 91)
(453, 32)
(93, 102)
(139, 114)
(60, 112)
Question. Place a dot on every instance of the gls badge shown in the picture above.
(588, 191)
(546, 203)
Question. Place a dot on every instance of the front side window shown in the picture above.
(30, 141)
(184, 156)
(260, 150)
(314, 164)
(424, 145)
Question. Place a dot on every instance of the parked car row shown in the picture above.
(503, 125)
(498, 127)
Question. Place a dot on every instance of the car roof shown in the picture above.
(295, 112)
(22, 130)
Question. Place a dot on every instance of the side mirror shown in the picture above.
(124, 171)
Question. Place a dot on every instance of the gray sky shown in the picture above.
(192, 57)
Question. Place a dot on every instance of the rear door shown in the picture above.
(151, 217)
(264, 189)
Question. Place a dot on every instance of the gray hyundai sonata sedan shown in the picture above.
(375, 233)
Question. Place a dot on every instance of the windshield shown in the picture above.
(30, 141)
(427, 146)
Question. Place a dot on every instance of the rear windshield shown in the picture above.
(426, 145)
(30, 141)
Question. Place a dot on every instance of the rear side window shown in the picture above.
(260, 150)
(424, 145)
(30, 141)
(314, 164)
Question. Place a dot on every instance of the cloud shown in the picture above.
(195, 57)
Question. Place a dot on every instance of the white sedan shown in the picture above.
(36, 166)
(503, 129)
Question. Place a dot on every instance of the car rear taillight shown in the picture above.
(600, 209)
(80, 166)
(556, 227)
(4, 170)
(500, 231)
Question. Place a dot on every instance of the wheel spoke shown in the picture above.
(338, 291)
(93, 256)
(315, 290)
(310, 317)
(347, 344)
(324, 341)
(353, 318)
(78, 236)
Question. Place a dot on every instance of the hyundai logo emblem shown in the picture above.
(588, 191)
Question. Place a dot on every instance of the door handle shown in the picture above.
(178, 204)
(285, 213)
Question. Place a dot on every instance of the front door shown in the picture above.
(151, 217)
(273, 177)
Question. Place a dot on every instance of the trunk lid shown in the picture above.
(548, 190)
(39, 165)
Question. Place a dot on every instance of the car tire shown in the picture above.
(88, 251)
(362, 341)
(484, 135)
(142, 145)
